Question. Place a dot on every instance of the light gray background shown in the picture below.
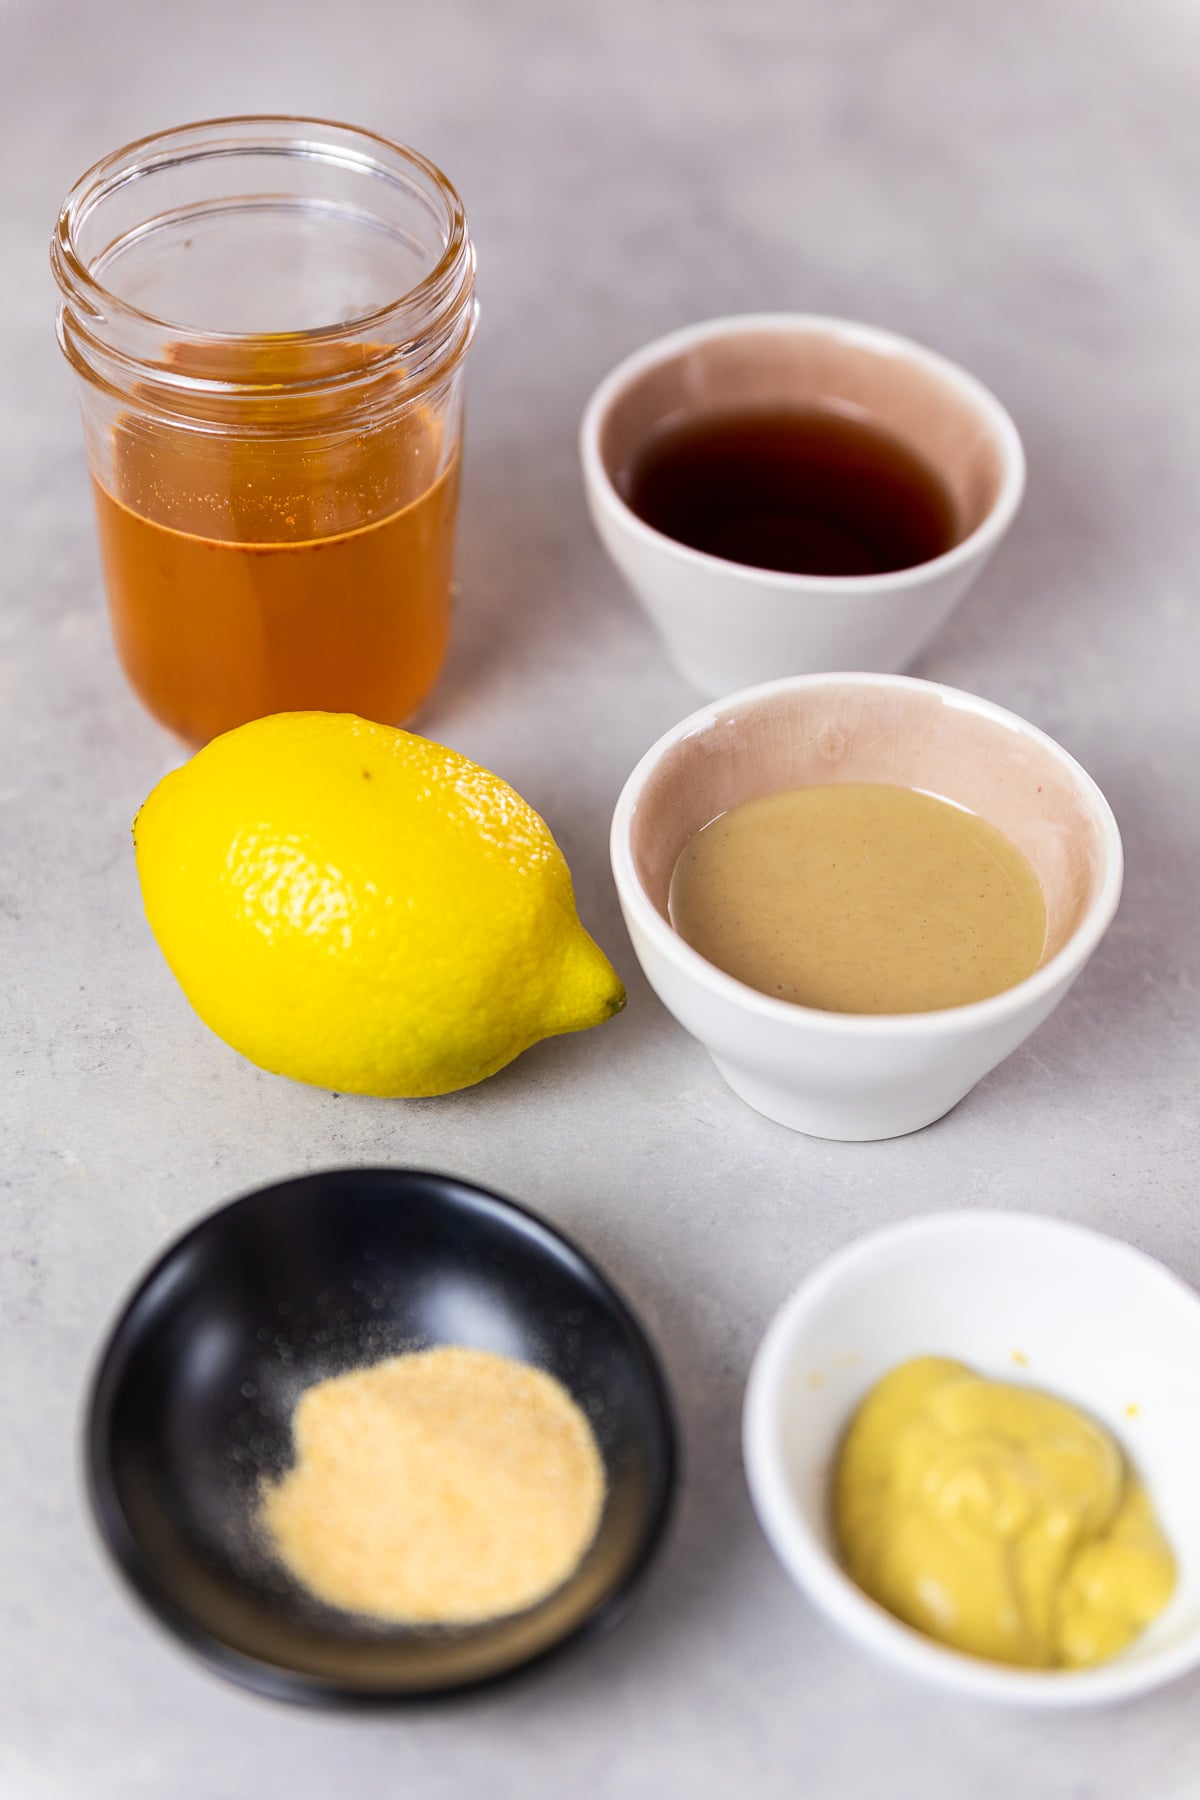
(1015, 183)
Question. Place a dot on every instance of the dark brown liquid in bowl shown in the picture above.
(805, 492)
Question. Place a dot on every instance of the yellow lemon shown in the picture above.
(362, 909)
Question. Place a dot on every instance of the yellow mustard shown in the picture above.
(997, 1519)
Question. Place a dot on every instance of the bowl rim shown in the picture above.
(276, 1681)
(978, 543)
(975, 1014)
(815, 1570)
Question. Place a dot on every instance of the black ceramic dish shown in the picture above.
(192, 1402)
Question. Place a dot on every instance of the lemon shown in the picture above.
(359, 908)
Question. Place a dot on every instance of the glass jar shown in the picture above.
(269, 319)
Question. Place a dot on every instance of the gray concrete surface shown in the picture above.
(1015, 184)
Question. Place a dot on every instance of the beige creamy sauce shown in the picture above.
(860, 898)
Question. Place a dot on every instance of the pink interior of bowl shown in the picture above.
(805, 366)
(904, 736)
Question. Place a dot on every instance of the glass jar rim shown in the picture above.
(440, 292)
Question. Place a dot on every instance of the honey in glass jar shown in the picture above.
(269, 319)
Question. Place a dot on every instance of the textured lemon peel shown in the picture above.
(358, 908)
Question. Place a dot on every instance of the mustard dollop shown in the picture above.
(997, 1519)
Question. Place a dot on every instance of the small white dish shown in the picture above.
(726, 625)
(846, 1075)
(1019, 1298)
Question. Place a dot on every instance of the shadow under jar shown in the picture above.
(269, 319)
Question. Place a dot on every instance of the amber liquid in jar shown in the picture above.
(268, 318)
(290, 572)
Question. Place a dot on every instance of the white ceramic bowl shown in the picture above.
(842, 1075)
(1092, 1320)
(725, 625)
